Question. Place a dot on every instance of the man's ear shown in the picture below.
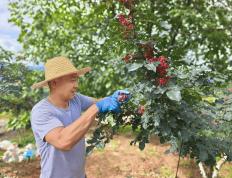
(53, 83)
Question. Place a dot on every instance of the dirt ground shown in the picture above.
(118, 160)
(121, 160)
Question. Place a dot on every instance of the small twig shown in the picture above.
(178, 164)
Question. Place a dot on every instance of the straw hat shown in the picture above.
(58, 67)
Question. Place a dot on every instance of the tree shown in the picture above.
(169, 90)
(16, 97)
(52, 28)
(174, 53)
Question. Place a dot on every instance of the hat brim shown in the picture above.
(44, 83)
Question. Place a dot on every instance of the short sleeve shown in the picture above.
(43, 121)
(86, 101)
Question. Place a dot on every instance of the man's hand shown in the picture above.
(108, 104)
(122, 96)
(113, 102)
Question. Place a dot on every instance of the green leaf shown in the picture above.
(174, 95)
(141, 145)
(160, 90)
(203, 155)
(228, 116)
(134, 66)
(209, 99)
(152, 66)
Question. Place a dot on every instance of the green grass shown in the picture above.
(5, 115)
(127, 130)
(151, 152)
(166, 172)
(99, 150)
(23, 137)
(1, 154)
(114, 144)
(225, 171)
(185, 163)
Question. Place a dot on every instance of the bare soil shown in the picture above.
(120, 160)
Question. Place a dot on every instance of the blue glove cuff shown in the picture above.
(108, 104)
(99, 106)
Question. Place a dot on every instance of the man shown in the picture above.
(57, 122)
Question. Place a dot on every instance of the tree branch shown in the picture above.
(202, 170)
(150, 24)
(218, 166)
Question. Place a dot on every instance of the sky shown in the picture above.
(8, 32)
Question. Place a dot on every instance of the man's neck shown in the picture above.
(58, 101)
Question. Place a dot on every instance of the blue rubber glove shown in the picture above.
(108, 104)
(117, 94)
(112, 102)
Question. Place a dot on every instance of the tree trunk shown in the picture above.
(218, 166)
(212, 171)
(211, 168)
(202, 170)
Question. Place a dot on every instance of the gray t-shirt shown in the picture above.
(45, 117)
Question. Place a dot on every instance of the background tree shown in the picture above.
(16, 96)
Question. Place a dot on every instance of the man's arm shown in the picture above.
(96, 99)
(64, 138)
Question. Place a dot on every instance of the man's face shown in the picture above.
(66, 86)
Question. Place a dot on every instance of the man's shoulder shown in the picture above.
(41, 110)
(80, 98)
(41, 105)
(76, 97)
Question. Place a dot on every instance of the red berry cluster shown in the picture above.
(163, 80)
(122, 97)
(126, 22)
(148, 47)
(127, 58)
(161, 68)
